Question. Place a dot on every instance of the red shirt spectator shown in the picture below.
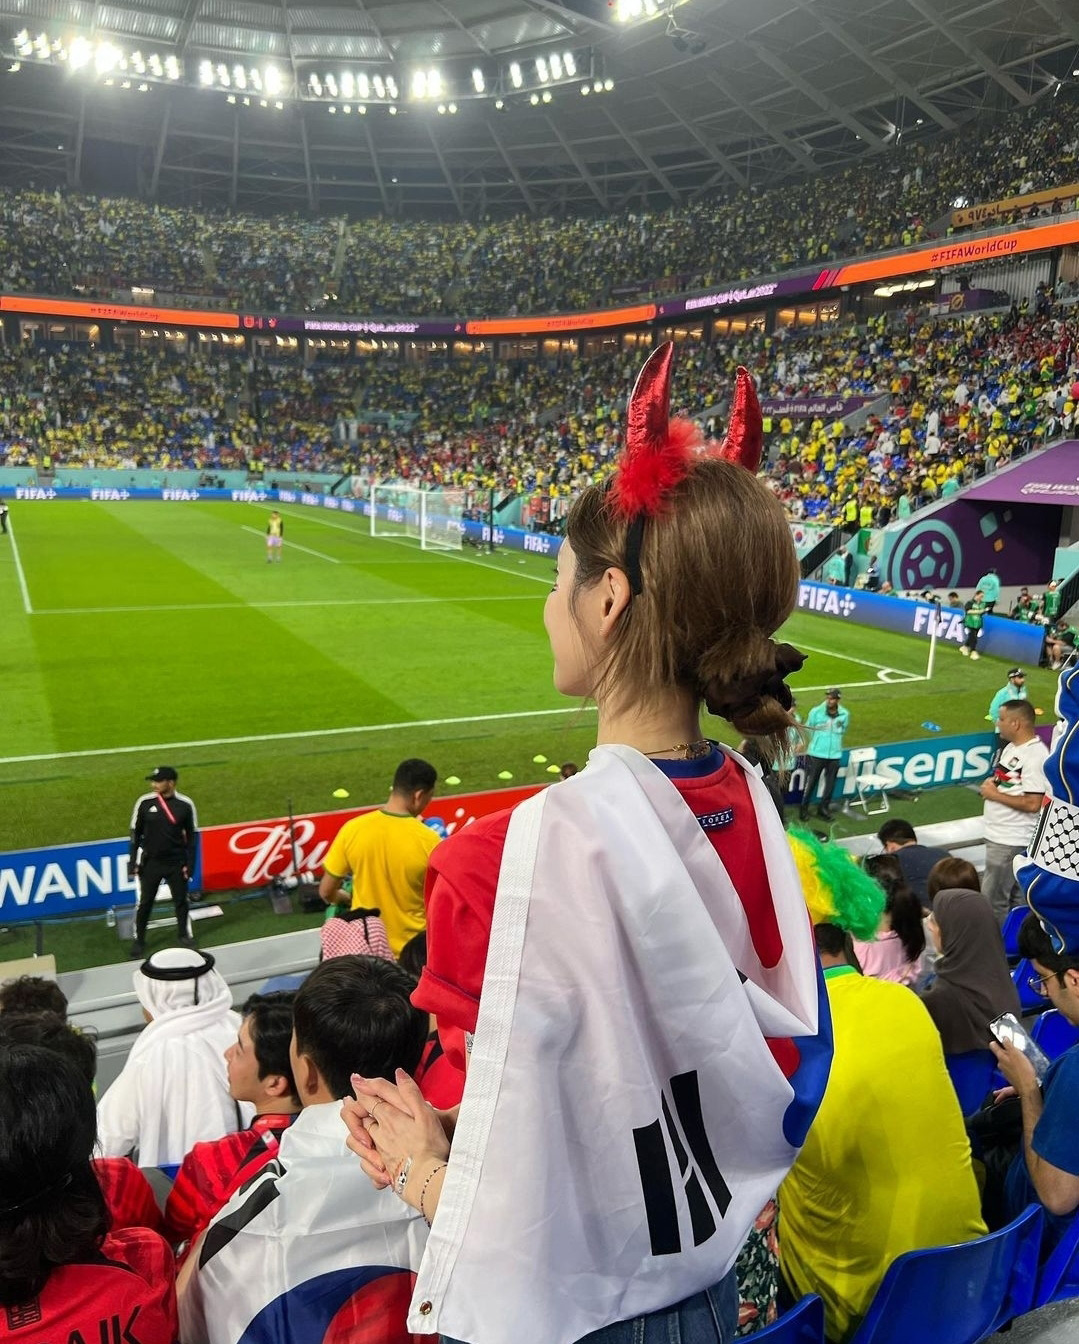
(127, 1292)
(463, 876)
(128, 1194)
(211, 1172)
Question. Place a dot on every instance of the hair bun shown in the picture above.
(743, 697)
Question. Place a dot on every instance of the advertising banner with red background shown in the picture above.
(251, 853)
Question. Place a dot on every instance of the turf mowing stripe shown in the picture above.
(295, 545)
(334, 732)
(298, 602)
(27, 605)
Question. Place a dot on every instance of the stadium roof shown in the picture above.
(706, 95)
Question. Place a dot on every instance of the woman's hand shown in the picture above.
(389, 1124)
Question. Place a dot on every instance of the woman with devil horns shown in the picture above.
(624, 962)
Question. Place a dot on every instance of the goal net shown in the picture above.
(432, 517)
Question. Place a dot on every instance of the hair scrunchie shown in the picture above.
(738, 699)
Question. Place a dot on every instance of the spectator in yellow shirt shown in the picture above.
(385, 852)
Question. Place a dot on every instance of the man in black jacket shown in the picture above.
(164, 844)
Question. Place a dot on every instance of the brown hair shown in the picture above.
(719, 577)
(951, 874)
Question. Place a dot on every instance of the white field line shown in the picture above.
(27, 605)
(152, 747)
(863, 662)
(295, 545)
(428, 555)
(269, 606)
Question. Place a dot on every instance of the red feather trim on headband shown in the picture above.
(659, 451)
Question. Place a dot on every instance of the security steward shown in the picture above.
(164, 845)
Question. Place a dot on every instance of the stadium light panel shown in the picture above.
(271, 80)
(106, 58)
(362, 110)
(223, 76)
(516, 78)
(331, 85)
(546, 95)
(314, 85)
(478, 81)
(391, 86)
(608, 84)
(41, 47)
(570, 62)
(500, 105)
(442, 109)
(555, 63)
(542, 73)
(393, 110)
(364, 86)
(597, 87)
(452, 109)
(586, 89)
(80, 54)
(206, 73)
(230, 99)
(138, 62)
(419, 84)
(348, 84)
(256, 79)
(332, 109)
(145, 88)
(534, 99)
(155, 66)
(628, 10)
(172, 67)
(279, 105)
(380, 86)
(239, 77)
(14, 67)
(347, 109)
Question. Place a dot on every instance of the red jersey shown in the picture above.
(126, 1292)
(440, 1081)
(128, 1194)
(462, 878)
(212, 1171)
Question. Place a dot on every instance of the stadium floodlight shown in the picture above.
(380, 86)
(442, 109)
(534, 99)
(332, 109)
(256, 79)
(393, 110)
(138, 62)
(144, 88)
(364, 86)
(156, 68)
(279, 105)
(348, 84)
(570, 62)
(542, 73)
(347, 109)
(172, 67)
(272, 81)
(628, 10)
(331, 85)
(223, 76)
(452, 109)
(231, 98)
(391, 86)
(597, 87)
(41, 47)
(516, 78)
(586, 89)
(314, 85)
(555, 62)
(546, 95)
(419, 83)
(362, 110)
(478, 81)
(500, 105)
(608, 84)
(14, 67)
(239, 77)
(80, 54)
(106, 58)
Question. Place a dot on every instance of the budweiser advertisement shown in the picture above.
(251, 853)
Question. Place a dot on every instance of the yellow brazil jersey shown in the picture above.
(275, 526)
(386, 856)
(869, 1185)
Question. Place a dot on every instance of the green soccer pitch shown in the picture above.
(144, 633)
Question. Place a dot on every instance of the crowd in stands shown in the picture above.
(55, 243)
(965, 395)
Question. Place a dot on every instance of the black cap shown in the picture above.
(161, 772)
(1016, 672)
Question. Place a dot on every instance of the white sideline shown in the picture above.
(298, 602)
(329, 732)
(27, 605)
(295, 545)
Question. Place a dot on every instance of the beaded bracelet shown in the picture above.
(423, 1189)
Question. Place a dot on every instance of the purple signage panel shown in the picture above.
(955, 545)
(370, 326)
(1048, 477)
(732, 296)
(804, 407)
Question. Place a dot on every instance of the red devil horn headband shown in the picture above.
(659, 452)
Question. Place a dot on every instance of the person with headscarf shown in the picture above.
(973, 984)
(173, 1091)
(867, 1187)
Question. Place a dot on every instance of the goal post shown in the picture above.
(434, 518)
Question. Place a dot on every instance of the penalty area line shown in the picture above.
(27, 605)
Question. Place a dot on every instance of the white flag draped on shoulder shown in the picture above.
(624, 1119)
(308, 1252)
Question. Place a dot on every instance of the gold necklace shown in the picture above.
(690, 751)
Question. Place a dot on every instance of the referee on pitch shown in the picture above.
(164, 845)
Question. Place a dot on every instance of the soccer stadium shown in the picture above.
(505, 505)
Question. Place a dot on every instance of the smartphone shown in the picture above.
(1006, 1028)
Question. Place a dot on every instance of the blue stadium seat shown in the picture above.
(972, 1077)
(1028, 1000)
(803, 1324)
(1010, 931)
(283, 983)
(957, 1294)
(1054, 1033)
(1059, 1279)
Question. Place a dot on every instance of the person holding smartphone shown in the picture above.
(1046, 1168)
